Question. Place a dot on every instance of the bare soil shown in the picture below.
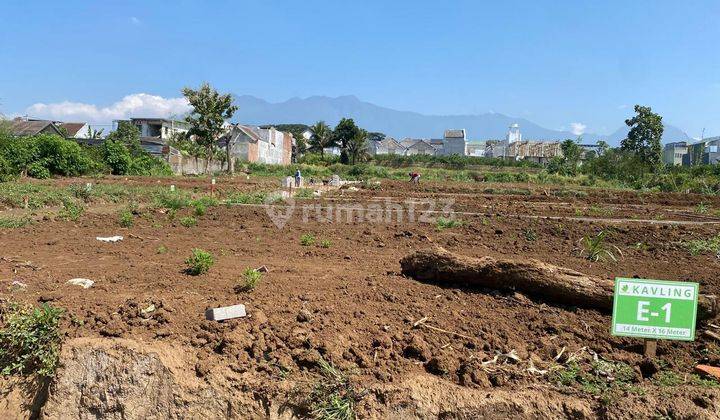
(349, 304)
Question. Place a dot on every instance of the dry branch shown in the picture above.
(532, 277)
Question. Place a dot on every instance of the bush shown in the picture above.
(30, 341)
(71, 210)
(251, 278)
(199, 262)
(444, 223)
(188, 221)
(126, 218)
(117, 156)
(307, 240)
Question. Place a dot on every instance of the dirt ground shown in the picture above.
(347, 302)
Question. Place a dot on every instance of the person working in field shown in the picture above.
(414, 177)
(298, 177)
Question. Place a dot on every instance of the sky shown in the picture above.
(572, 65)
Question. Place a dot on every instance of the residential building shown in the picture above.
(30, 127)
(673, 153)
(706, 152)
(536, 151)
(158, 128)
(454, 142)
(476, 148)
(386, 146)
(262, 145)
(76, 130)
(420, 147)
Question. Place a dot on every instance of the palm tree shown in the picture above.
(357, 146)
(321, 137)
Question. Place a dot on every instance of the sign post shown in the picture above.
(654, 309)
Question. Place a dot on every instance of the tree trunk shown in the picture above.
(230, 162)
(532, 277)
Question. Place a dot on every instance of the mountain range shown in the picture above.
(402, 124)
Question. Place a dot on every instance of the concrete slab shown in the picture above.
(225, 312)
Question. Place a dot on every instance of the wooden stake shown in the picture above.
(650, 348)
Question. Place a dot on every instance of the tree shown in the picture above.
(210, 111)
(127, 134)
(603, 147)
(344, 132)
(321, 137)
(94, 134)
(357, 146)
(375, 136)
(644, 138)
(568, 163)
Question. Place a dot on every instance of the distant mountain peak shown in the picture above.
(402, 124)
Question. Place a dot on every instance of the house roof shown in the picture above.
(72, 128)
(455, 133)
(19, 127)
(239, 129)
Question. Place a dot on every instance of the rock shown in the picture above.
(713, 371)
(304, 316)
(84, 283)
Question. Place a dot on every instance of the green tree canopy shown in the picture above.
(210, 111)
(644, 138)
(321, 137)
(357, 147)
(344, 132)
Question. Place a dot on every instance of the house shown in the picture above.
(386, 146)
(158, 128)
(673, 153)
(22, 127)
(262, 145)
(476, 149)
(535, 151)
(706, 152)
(454, 142)
(419, 147)
(76, 130)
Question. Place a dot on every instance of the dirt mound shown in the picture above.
(123, 379)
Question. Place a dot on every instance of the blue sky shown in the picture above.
(552, 62)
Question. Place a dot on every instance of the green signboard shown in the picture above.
(655, 309)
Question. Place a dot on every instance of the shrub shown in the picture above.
(13, 222)
(38, 170)
(117, 156)
(703, 246)
(172, 200)
(126, 218)
(199, 262)
(251, 278)
(30, 340)
(188, 221)
(307, 240)
(445, 223)
(595, 249)
(71, 210)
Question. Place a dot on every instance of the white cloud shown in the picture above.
(135, 105)
(577, 128)
(623, 106)
(134, 20)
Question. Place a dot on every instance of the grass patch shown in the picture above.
(162, 249)
(530, 235)
(250, 279)
(332, 396)
(126, 219)
(605, 379)
(304, 193)
(595, 249)
(188, 221)
(199, 262)
(247, 198)
(325, 243)
(30, 340)
(445, 223)
(14, 222)
(704, 246)
(307, 239)
(71, 210)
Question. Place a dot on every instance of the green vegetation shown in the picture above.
(307, 239)
(604, 379)
(445, 223)
(304, 193)
(704, 246)
(162, 249)
(702, 208)
(14, 222)
(595, 249)
(188, 221)
(30, 340)
(71, 210)
(199, 262)
(325, 243)
(126, 219)
(530, 235)
(251, 278)
(332, 397)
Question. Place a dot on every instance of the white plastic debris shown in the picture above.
(18, 285)
(85, 283)
(109, 238)
(225, 312)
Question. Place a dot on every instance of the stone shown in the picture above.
(84, 283)
(304, 316)
(713, 371)
(225, 312)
